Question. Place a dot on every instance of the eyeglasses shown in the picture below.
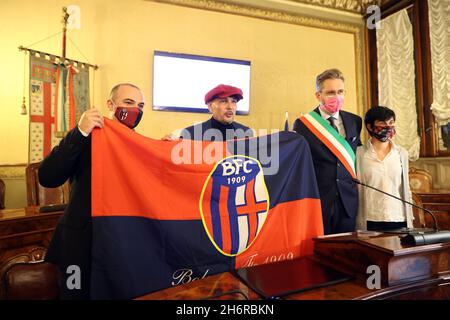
(332, 93)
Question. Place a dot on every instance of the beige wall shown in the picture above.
(120, 36)
(15, 185)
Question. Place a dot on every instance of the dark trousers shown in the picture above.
(338, 220)
(384, 226)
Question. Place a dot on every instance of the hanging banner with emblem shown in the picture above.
(74, 91)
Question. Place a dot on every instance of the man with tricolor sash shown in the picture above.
(333, 135)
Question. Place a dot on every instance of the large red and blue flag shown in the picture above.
(167, 213)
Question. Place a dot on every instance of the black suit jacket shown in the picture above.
(333, 179)
(71, 242)
(239, 131)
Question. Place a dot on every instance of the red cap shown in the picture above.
(223, 91)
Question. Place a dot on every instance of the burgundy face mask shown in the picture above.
(129, 116)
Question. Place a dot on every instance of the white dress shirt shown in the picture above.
(338, 122)
(79, 129)
(385, 175)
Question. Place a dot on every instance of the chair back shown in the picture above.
(2, 194)
(38, 195)
(419, 215)
(420, 181)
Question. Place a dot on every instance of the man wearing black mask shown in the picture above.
(70, 247)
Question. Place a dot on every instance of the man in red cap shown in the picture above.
(222, 103)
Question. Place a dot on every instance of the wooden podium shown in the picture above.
(407, 272)
(399, 264)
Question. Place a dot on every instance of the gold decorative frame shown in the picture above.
(16, 171)
(273, 15)
(354, 6)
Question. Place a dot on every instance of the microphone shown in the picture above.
(436, 228)
(416, 237)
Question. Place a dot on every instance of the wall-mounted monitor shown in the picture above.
(180, 81)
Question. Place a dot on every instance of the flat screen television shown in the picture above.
(180, 81)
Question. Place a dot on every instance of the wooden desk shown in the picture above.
(25, 228)
(399, 264)
(436, 195)
(407, 273)
(213, 286)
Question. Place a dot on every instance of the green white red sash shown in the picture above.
(333, 140)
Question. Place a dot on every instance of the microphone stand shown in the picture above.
(402, 200)
(415, 237)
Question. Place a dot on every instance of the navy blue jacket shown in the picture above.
(71, 241)
(333, 179)
(197, 132)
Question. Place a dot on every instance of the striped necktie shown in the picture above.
(333, 123)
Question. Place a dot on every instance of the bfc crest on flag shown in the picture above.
(234, 204)
(158, 223)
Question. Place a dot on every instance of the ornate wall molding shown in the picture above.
(255, 12)
(354, 6)
(12, 171)
(278, 16)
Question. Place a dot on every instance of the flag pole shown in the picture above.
(65, 20)
(53, 56)
(286, 121)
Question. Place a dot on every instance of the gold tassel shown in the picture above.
(23, 108)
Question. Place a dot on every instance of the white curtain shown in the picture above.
(439, 17)
(396, 78)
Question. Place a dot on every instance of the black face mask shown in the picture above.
(383, 133)
(129, 116)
